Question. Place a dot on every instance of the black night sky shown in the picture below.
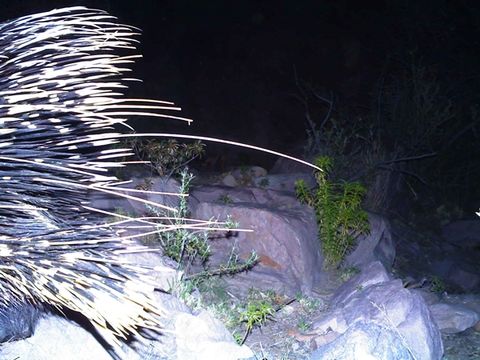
(235, 68)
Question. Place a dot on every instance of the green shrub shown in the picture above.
(189, 246)
(167, 157)
(337, 208)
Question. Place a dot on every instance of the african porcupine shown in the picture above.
(60, 98)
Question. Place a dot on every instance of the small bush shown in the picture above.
(337, 208)
(167, 157)
(190, 246)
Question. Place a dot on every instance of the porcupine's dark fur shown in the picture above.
(60, 96)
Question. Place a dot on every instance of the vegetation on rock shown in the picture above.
(338, 210)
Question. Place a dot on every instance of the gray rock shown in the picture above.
(56, 338)
(373, 273)
(377, 245)
(365, 341)
(203, 337)
(155, 189)
(428, 296)
(470, 301)
(285, 182)
(452, 318)
(229, 180)
(284, 237)
(392, 306)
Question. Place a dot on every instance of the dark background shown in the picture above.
(232, 65)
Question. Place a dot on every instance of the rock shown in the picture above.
(365, 341)
(56, 338)
(285, 182)
(187, 337)
(284, 237)
(429, 296)
(377, 245)
(155, 188)
(161, 269)
(373, 273)
(389, 305)
(452, 318)
(463, 233)
(250, 172)
(203, 337)
(244, 176)
(470, 301)
(228, 196)
(229, 180)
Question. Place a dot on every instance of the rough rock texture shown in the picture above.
(186, 337)
(365, 341)
(285, 182)
(203, 337)
(284, 236)
(377, 245)
(56, 338)
(373, 273)
(388, 304)
(453, 318)
(156, 186)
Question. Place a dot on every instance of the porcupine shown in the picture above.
(61, 95)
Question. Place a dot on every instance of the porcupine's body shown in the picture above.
(60, 96)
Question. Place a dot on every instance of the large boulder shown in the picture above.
(284, 236)
(378, 244)
(365, 341)
(386, 304)
(452, 318)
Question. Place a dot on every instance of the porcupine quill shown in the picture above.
(61, 94)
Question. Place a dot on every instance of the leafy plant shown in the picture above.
(189, 245)
(264, 182)
(167, 157)
(183, 245)
(349, 272)
(308, 305)
(256, 314)
(225, 199)
(303, 325)
(338, 210)
(437, 285)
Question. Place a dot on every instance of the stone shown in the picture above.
(365, 341)
(453, 318)
(284, 237)
(373, 273)
(285, 182)
(203, 337)
(377, 245)
(229, 180)
(57, 338)
(157, 190)
(391, 306)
